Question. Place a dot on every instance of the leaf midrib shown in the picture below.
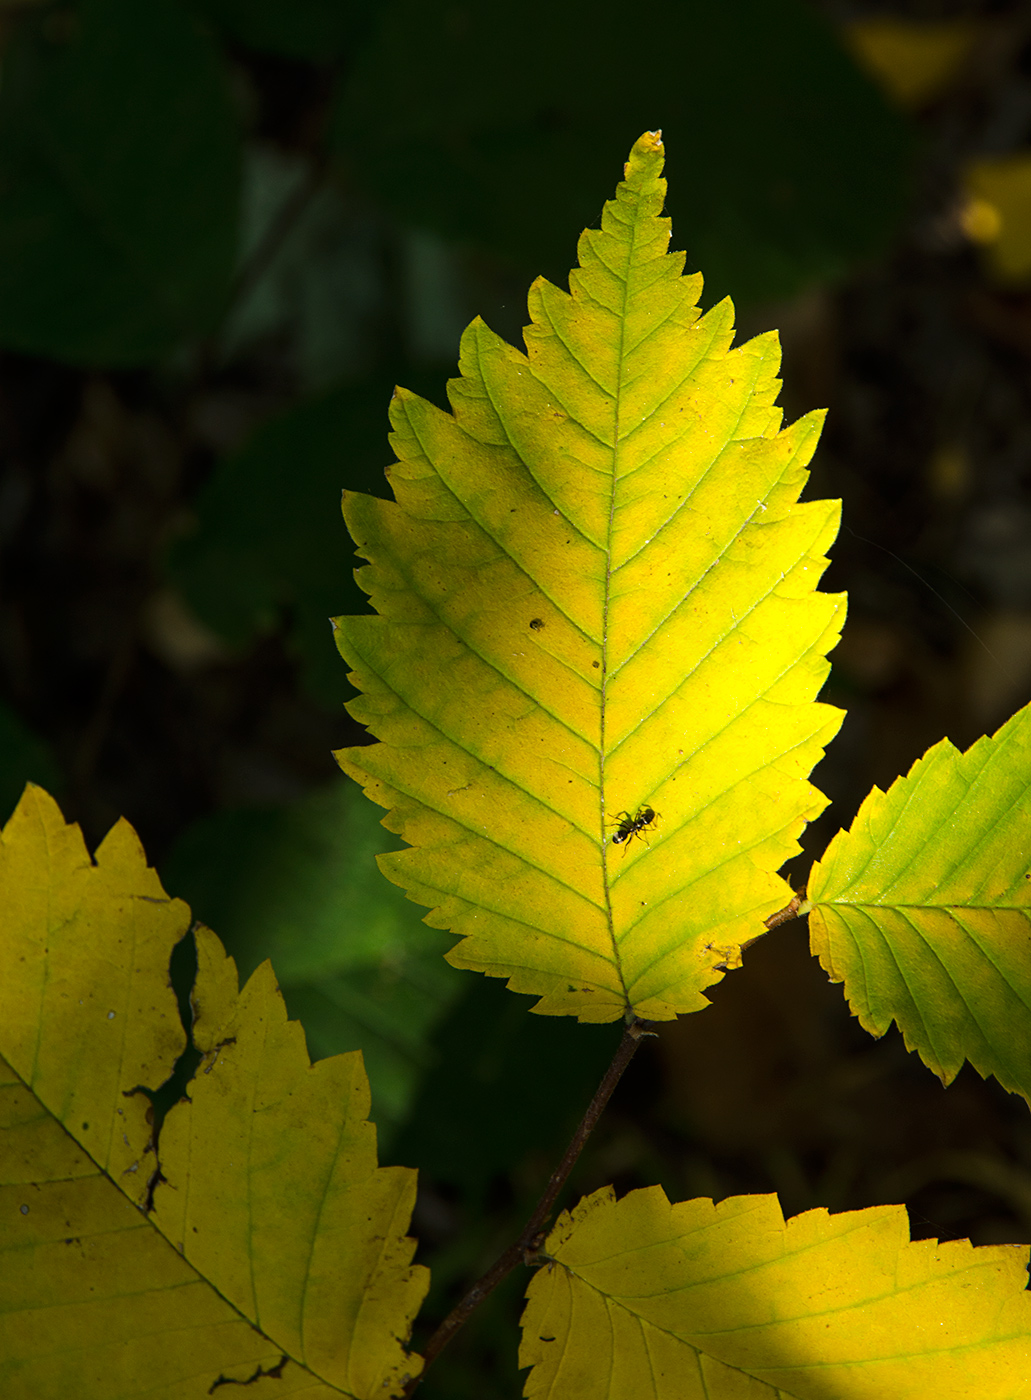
(616, 447)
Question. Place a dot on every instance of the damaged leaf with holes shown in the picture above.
(256, 1237)
(596, 596)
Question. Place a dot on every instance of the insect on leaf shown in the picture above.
(260, 1237)
(647, 1301)
(923, 908)
(596, 595)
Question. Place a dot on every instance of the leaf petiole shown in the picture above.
(524, 1250)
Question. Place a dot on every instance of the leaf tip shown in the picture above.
(646, 151)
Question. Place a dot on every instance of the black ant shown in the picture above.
(631, 826)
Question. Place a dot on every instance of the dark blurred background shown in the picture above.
(227, 228)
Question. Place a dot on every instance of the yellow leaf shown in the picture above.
(998, 212)
(261, 1235)
(596, 598)
(647, 1301)
(913, 60)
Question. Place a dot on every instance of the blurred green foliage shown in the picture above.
(496, 124)
(119, 182)
(299, 884)
(270, 540)
(318, 30)
(24, 758)
(120, 145)
(523, 1080)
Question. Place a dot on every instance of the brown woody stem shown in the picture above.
(529, 1242)
(792, 911)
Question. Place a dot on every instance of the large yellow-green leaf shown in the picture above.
(596, 594)
(923, 908)
(261, 1235)
(696, 1301)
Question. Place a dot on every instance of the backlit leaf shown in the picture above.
(923, 908)
(596, 597)
(696, 1301)
(261, 1234)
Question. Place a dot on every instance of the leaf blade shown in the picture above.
(74, 1028)
(731, 1299)
(568, 636)
(113, 1294)
(312, 1276)
(923, 908)
(271, 1124)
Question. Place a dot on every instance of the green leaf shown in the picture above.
(269, 536)
(258, 1234)
(319, 274)
(119, 171)
(522, 1081)
(317, 30)
(923, 908)
(24, 758)
(596, 598)
(299, 884)
(641, 1300)
(792, 163)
